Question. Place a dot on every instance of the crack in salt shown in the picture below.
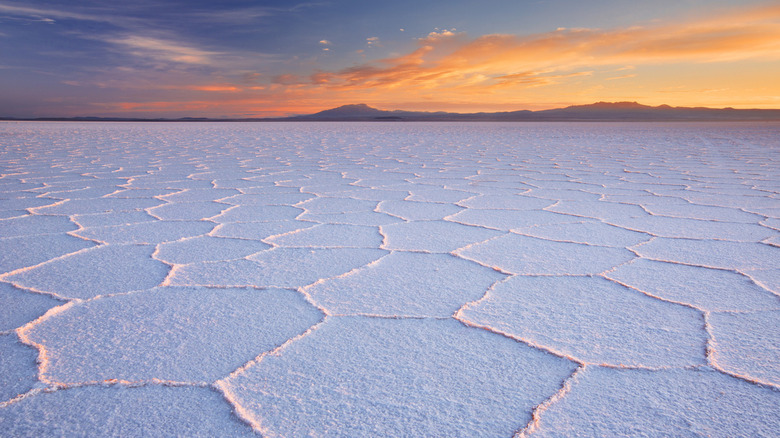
(538, 410)
(711, 354)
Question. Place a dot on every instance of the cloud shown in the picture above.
(122, 15)
(131, 34)
(535, 79)
(373, 42)
(437, 34)
(321, 77)
(43, 14)
(232, 16)
(213, 88)
(163, 50)
(621, 77)
(288, 79)
(446, 59)
(244, 15)
(250, 77)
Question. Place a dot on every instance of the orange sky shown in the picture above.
(730, 57)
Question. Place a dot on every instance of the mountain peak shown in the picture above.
(612, 105)
(353, 110)
(357, 106)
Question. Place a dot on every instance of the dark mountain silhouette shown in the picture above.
(358, 110)
(635, 111)
(363, 111)
(600, 111)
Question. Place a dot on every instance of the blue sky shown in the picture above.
(263, 58)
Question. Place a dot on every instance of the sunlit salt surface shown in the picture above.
(389, 279)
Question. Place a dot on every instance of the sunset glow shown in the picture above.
(258, 61)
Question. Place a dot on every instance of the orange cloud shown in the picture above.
(215, 88)
(532, 79)
(614, 78)
(446, 60)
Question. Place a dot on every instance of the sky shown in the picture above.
(238, 58)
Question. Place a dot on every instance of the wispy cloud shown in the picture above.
(119, 14)
(233, 16)
(212, 88)
(163, 50)
(614, 78)
(129, 34)
(533, 78)
(44, 13)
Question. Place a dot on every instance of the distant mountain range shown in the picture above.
(600, 111)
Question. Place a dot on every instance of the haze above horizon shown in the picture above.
(243, 59)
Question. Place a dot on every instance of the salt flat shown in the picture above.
(389, 279)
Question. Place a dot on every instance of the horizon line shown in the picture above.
(627, 106)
